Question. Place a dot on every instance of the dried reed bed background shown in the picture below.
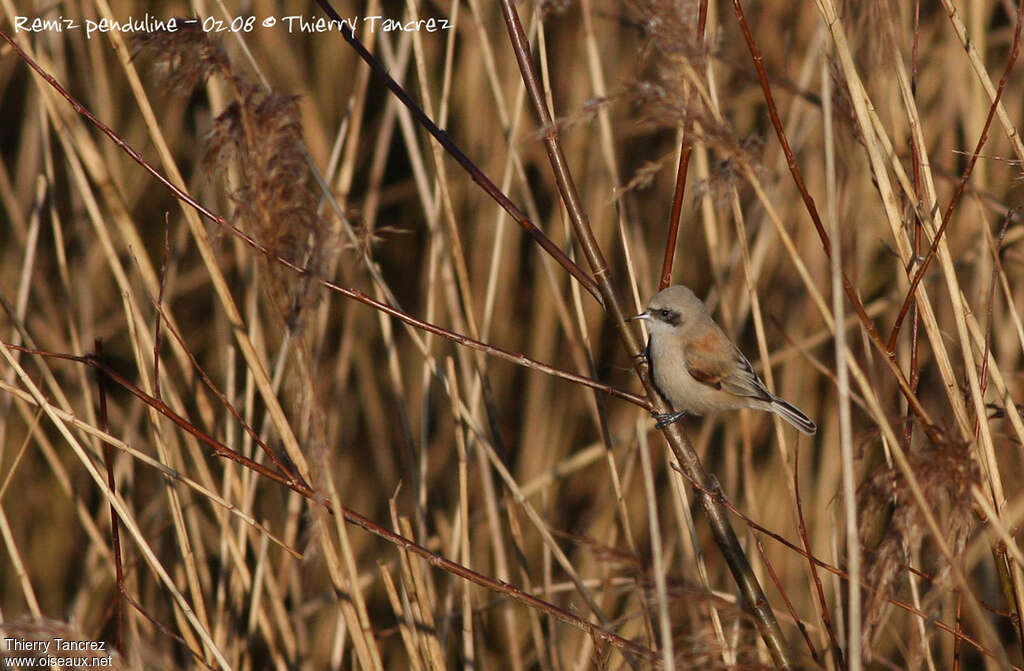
(226, 568)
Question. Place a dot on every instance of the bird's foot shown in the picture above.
(664, 419)
(716, 487)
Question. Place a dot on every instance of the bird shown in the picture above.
(696, 367)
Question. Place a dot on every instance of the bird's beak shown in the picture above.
(643, 315)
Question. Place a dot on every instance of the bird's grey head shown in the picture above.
(671, 308)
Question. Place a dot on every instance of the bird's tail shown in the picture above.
(793, 415)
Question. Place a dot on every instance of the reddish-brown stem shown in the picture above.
(685, 150)
(962, 183)
(466, 341)
(721, 498)
(352, 516)
(826, 619)
(115, 531)
(355, 294)
(851, 293)
(475, 173)
(957, 633)
(219, 448)
(197, 657)
(725, 537)
(449, 145)
(677, 209)
(253, 434)
(785, 598)
(957, 645)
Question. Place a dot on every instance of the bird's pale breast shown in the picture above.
(680, 388)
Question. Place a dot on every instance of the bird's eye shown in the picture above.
(664, 312)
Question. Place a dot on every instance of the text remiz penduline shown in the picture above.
(239, 24)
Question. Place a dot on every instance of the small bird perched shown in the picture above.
(696, 368)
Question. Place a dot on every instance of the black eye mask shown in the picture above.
(670, 317)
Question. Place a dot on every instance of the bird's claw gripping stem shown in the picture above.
(665, 419)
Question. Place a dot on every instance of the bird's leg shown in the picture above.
(664, 419)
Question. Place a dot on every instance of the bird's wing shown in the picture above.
(716, 362)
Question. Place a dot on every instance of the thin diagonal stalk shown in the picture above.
(449, 145)
(351, 293)
(956, 631)
(754, 597)
(962, 183)
(351, 516)
(826, 243)
(115, 531)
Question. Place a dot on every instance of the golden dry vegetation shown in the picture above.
(232, 384)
